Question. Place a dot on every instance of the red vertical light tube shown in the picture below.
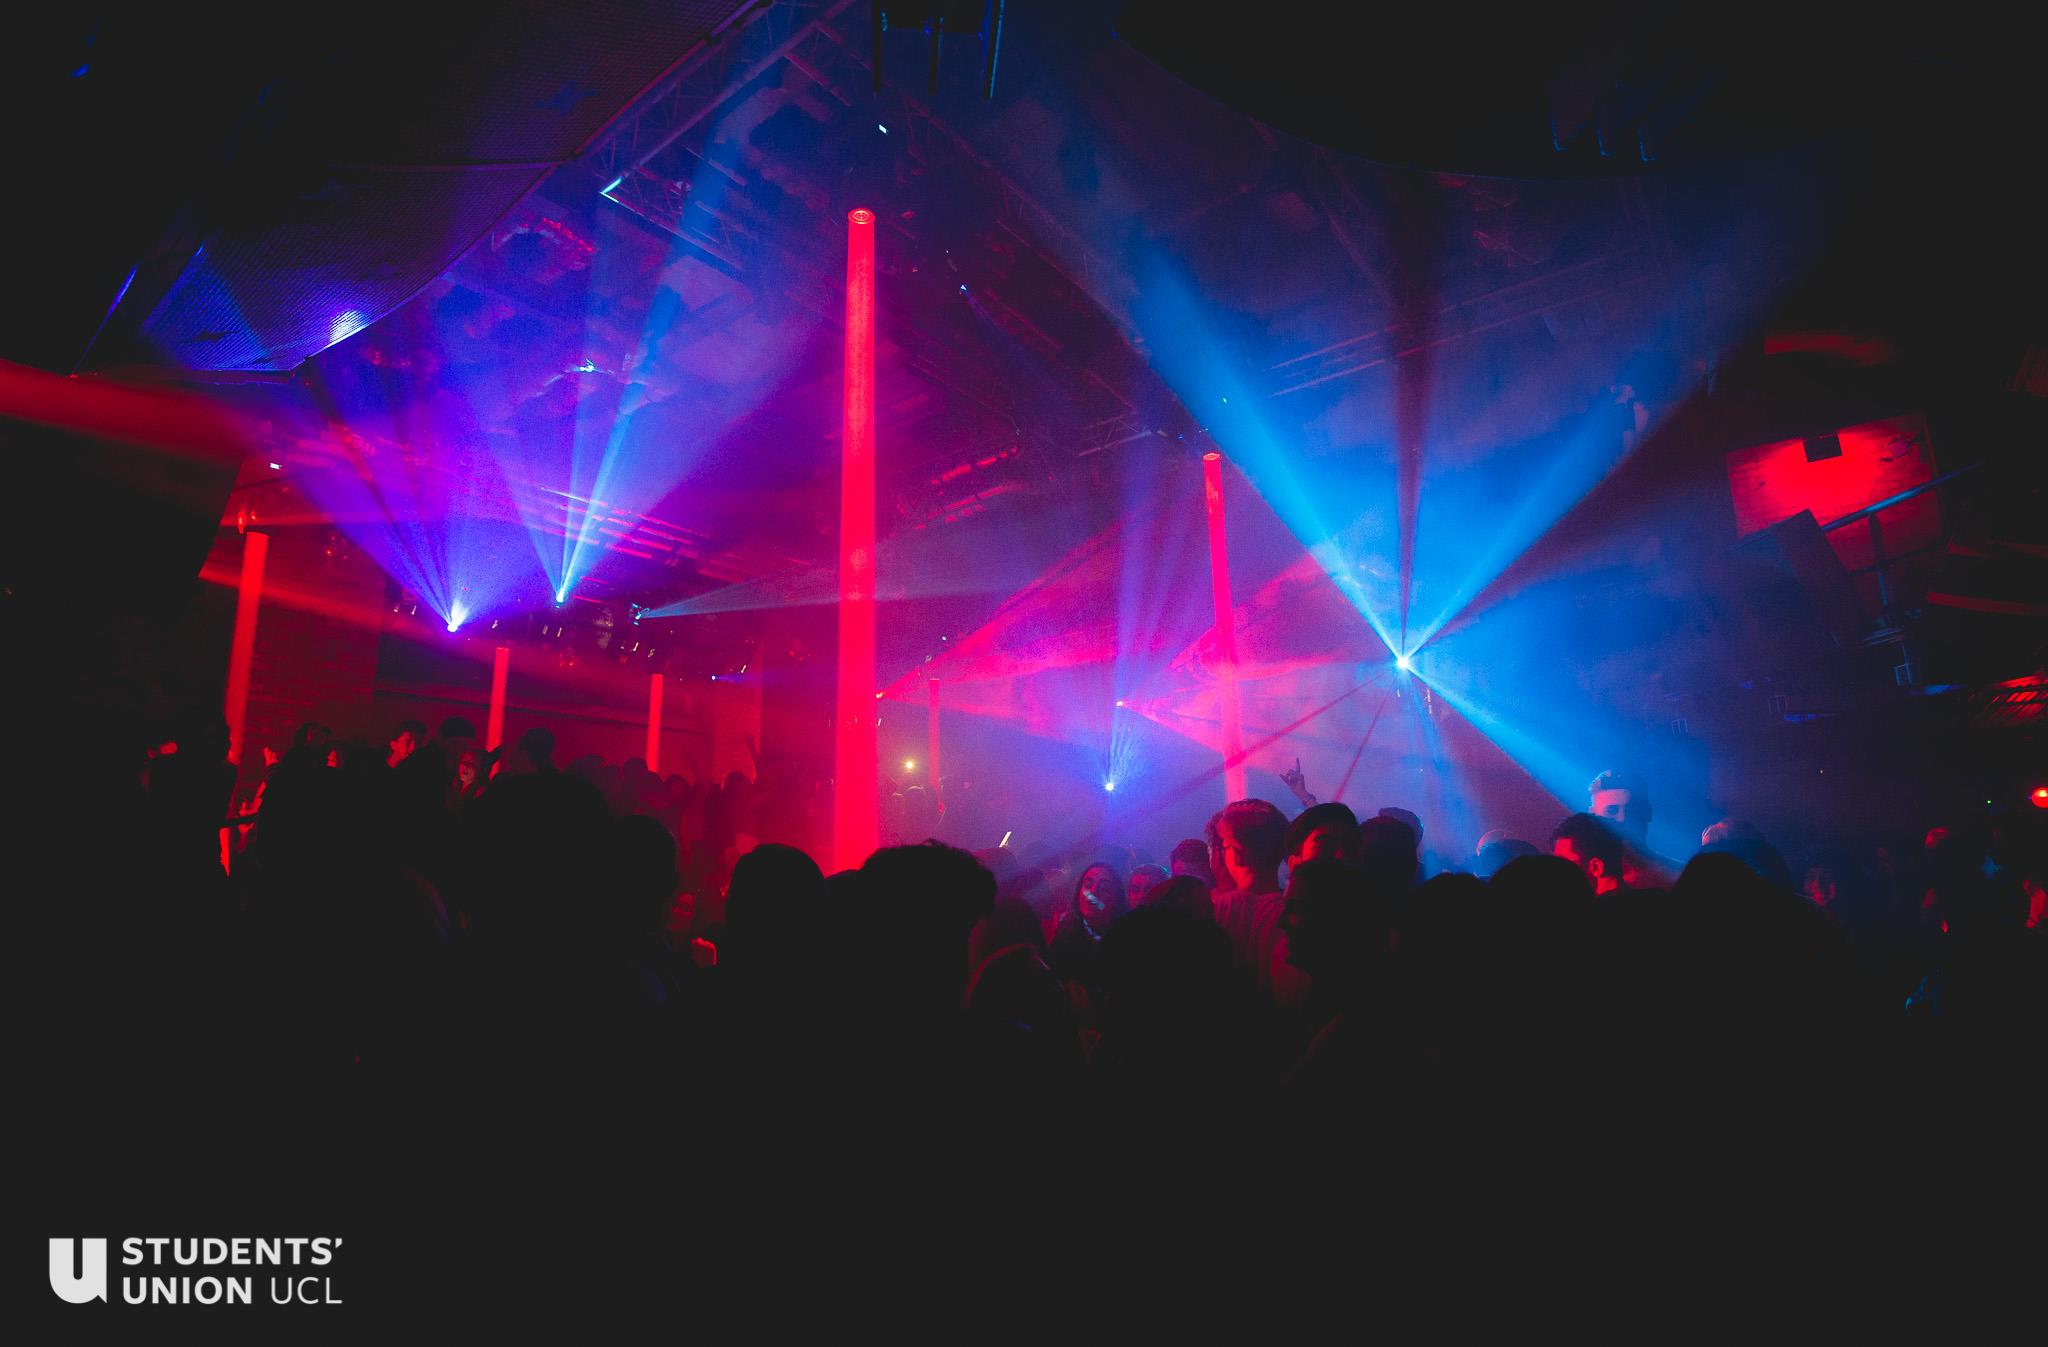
(932, 746)
(242, 650)
(855, 825)
(1226, 629)
(654, 723)
(501, 664)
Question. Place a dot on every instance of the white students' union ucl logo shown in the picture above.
(92, 1283)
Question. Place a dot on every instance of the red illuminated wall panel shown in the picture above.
(1773, 482)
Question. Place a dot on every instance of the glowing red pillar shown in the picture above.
(932, 747)
(1226, 629)
(242, 650)
(855, 826)
(654, 723)
(494, 729)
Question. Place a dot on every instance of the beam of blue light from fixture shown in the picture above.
(1205, 374)
(631, 453)
(1560, 729)
(397, 479)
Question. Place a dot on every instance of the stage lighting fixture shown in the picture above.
(883, 129)
(910, 764)
(1109, 785)
(613, 185)
(1402, 663)
(2040, 797)
(277, 467)
(561, 597)
(1119, 701)
(963, 287)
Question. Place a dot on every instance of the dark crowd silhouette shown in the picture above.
(505, 973)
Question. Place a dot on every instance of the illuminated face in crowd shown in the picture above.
(1239, 869)
(1102, 899)
(1819, 886)
(1630, 816)
(402, 747)
(1595, 868)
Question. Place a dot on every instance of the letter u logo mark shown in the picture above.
(78, 1290)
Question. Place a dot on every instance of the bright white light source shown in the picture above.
(1403, 665)
(883, 129)
(344, 326)
(277, 467)
(910, 764)
(1109, 785)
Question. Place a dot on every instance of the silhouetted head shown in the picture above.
(924, 900)
(1386, 853)
(1143, 877)
(1010, 921)
(1191, 857)
(537, 746)
(1189, 893)
(1407, 816)
(1330, 919)
(1497, 849)
(772, 905)
(1323, 832)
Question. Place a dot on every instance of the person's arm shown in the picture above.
(1298, 783)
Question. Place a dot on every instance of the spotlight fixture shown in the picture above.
(910, 764)
(1402, 663)
(277, 467)
(1119, 701)
(2040, 797)
(883, 129)
(1109, 785)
